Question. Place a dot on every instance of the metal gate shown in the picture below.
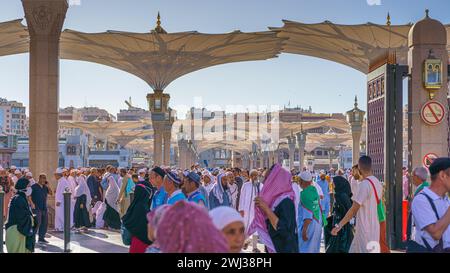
(385, 141)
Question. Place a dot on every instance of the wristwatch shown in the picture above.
(337, 226)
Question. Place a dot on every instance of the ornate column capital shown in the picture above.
(45, 17)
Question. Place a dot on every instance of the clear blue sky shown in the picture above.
(305, 81)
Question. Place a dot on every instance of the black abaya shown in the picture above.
(340, 243)
(111, 217)
(80, 213)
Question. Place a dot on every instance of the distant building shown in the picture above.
(116, 158)
(203, 114)
(8, 146)
(84, 114)
(80, 114)
(70, 153)
(133, 113)
(298, 114)
(12, 118)
(216, 157)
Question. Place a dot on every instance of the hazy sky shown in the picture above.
(304, 81)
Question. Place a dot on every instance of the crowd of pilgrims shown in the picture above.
(168, 210)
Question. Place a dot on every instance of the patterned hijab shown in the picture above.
(187, 228)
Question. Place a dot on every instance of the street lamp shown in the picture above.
(355, 118)
(331, 154)
(363, 146)
(301, 141)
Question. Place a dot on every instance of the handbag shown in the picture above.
(126, 235)
(380, 206)
(414, 247)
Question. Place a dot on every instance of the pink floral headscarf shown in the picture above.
(187, 228)
(277, 187)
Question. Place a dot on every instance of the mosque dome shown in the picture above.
(427, 31)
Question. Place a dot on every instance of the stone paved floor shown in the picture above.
(102, 241)
(96, 241)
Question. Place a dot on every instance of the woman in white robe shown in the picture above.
(63, 184)
(97, 212)
(72, 179)
(112, 215)
(83, 200)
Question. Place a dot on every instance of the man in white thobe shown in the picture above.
(249, 191)
(73, 184)
(367, 229)
(63, 184)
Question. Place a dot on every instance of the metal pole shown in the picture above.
(67, 195)
(2, 195)
(131, 197)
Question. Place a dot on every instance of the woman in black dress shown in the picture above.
(343, 202)
(83, 202)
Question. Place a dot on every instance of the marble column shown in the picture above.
(232, 159)
(427, 40)
(270, 154)
(301, 141)
(45, 20)
(182, 154)
(356, 140)
(189, 156)
(291, 144)
(167, 140)
(158, 142)
(261, 159)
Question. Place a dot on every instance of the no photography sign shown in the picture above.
(428, 159)
(432, 113)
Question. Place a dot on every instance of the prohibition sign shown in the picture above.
(432, 113)
(428, 159)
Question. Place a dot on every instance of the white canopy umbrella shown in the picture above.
(357, 46)
(159, 57)
(124, 137)
(141, 145)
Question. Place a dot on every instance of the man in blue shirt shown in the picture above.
(39, 194)
(172, 185)
(324, 186)
(191, 187)
(156, 179)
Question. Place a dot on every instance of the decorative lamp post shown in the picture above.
(301, 141)
(355, 118)
(190, 154)
(291, 144)
(363, 147)
(331, 154)
(182, 148)
(162, 121)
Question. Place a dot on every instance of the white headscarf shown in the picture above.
(211, 184)
(223, 216)
(218, 189)
(112, 193)
(83, 188)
